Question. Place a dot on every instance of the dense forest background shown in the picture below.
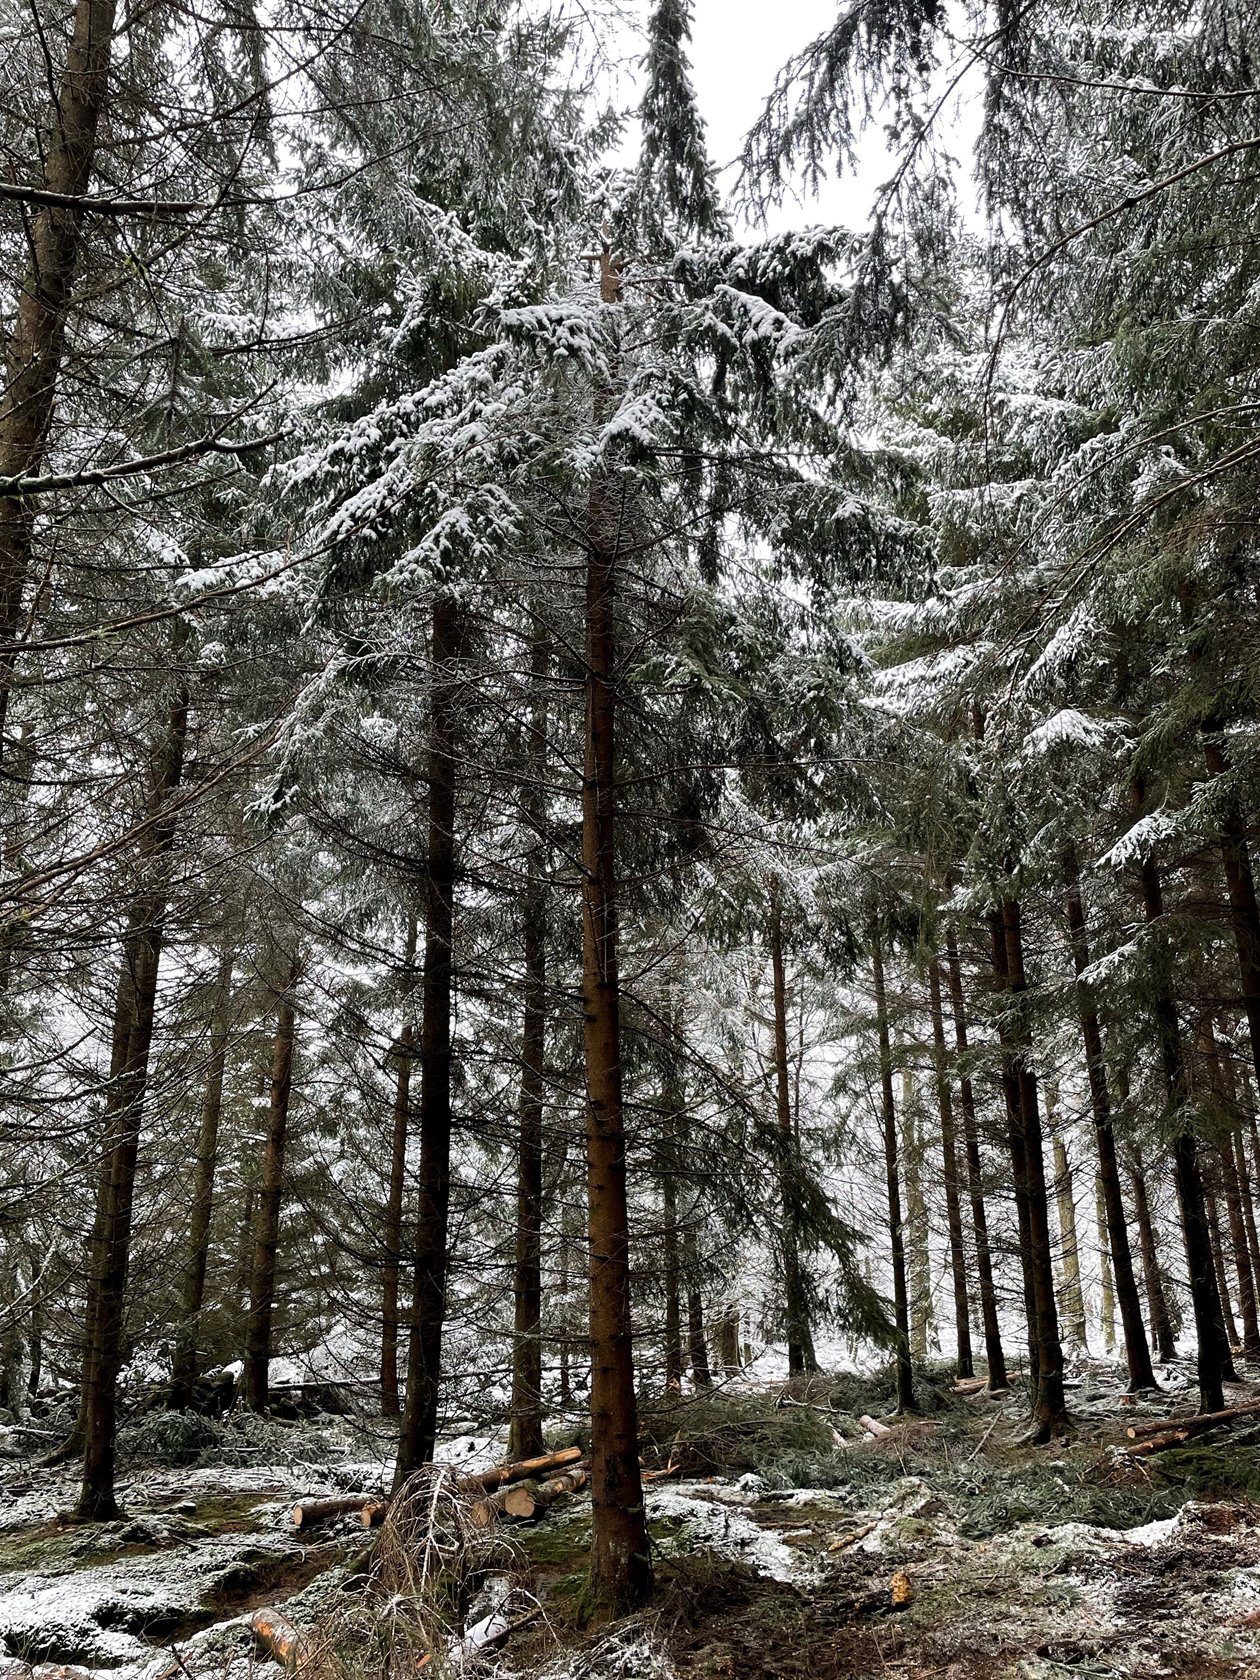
(587, 791)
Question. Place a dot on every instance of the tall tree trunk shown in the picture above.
(1048, 1408)
(1107, 1302)
(1232, 1189)
(918, 1255)
(1152, 1271)
(673, 1302)
(184, 1364)
(418, 1434)
(124, 1109)
(892, 1174)
(262, 1287)
(949, 1153)
(1218, 1268)
(994, 1355)
(1136, 1348)
(404, 1056)
(1065, 1196)
(1213, 1349)
(697, 1347)
(36, 342)
(796, 1315)
(621, 1567)
(1244, 913)
(525, 1437)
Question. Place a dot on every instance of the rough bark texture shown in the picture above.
(1136, 1347)
(124, 1107)
(1049, 1411)
(36, 341)
(697, 1346)
(201, 1205)
(262, 1287)
(1072, 1296)
(796, 1317)
(1152, 1272)
(949, 1153)
(892, 1175)
(525, 1436)
(1212, 1347)
(404, 1055)
(1107, 1279)
(621, 1568)
(1240, 886)
(428, 1300)
(994, 1354)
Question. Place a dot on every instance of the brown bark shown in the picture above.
(949, 1152)
(428, 1301)
(892, 1176)
(1196, 1425)
(1244, 913)
(1028, 1167)
(697, 1347)
(673, 1304)
(621, 1567)
(526, 1430)
(1231, 1187)
(527, 1500)
(312, 1511)
(262, 1287)
(1136, 1348)
(404, 1055)
(279, 1638)
(201, 1206)
(1073, 1298)
(124, 1108)
(1218, 1268)
(36, 342)
(1212, 1347)
(1152, 1271)
(994, 1355)
(796, 1315)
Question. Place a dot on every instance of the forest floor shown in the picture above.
(944, 1549)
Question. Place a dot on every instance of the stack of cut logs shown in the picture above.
(523, 1490)
(1161, 1433)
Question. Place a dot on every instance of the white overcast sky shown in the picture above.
(737, 49)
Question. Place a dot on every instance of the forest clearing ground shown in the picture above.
(1013, 1561)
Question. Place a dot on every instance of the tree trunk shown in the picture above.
(1213, 1349)
(1107, 1302)
(1152, 1271)
(124, 1108)
(1218, 1268)
(1048, 1408)
(621, 1567)
(896, 1232)
(994, 1355)
(949, 1152)
(673, 1304)
(796, 1316)
(697, 1347)
(404, 1055)
(36, 341)
(525, 1436)
(918, 1256)
(1065, 1196)
(184, 1365)
(1229, 1182)
(418, 1434)
(262, 1287)
(1136, 1348)
(1244, 913)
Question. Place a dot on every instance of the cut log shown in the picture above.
(312, 1511)
(372, 1513)
(874, 1426)
(851, 1539)
(1157, 1443)
(1196, 1423)
(526, 1500)
(502, 1474)
(487, 1511)
(278, 1637)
